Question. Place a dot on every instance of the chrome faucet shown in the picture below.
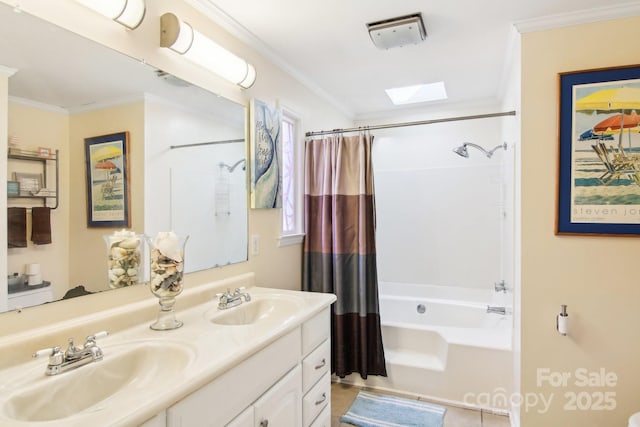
(500, 286)
(73, 357)
(228, 299)
(496, 310)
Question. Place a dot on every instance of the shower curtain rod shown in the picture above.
(226, 141)
(421, 122)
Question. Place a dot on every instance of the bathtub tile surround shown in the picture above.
(440, 255)
(449, 234)
(343, 395)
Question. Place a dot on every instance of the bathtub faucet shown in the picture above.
(496, 310)
(500, 286)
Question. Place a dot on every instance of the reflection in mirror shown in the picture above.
(66, 89)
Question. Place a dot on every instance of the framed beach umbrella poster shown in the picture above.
(599, 163)
(107, 176)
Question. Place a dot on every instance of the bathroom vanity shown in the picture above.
(28, 296)
(268, 388)
(262, 363)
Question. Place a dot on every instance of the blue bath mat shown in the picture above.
(377, 410)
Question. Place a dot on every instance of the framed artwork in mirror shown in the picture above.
(599, 152)
(107, 177)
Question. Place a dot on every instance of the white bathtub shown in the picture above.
(458, 315)
(452, 352)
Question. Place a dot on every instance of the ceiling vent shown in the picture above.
(397, 32)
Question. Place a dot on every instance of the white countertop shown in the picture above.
(213, 349)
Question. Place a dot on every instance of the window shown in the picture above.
(292, 180)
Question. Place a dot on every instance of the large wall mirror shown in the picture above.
(187, 152)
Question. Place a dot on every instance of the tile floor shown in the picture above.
(342, 397)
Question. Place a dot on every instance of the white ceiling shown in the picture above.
(326, 43)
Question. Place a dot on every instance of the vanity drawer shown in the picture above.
(324, 419)
(316, 364)
(316, 400)
(315, 330)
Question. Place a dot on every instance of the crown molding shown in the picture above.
(212, 11)
(38, 105)
(587, 16)
(112, 103)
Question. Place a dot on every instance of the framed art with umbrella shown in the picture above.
(107, 171)
(599, 152)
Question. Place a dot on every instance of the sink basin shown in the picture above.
(278, 308)
(123, 370)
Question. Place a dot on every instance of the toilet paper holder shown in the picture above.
(562, 320)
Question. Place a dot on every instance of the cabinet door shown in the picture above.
(245, 419)
(281, 405)
(218, 402)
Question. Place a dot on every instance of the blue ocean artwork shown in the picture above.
(266, 171)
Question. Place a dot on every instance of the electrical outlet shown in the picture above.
(255, 244)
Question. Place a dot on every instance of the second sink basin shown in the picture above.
(260, 309)
(124, 370)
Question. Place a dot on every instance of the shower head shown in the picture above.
(462, 150)
(235, 165)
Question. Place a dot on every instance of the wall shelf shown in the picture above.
(45, 162)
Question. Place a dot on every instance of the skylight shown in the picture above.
(417, 93)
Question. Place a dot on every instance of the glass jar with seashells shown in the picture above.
(124, 258)
(167, 271)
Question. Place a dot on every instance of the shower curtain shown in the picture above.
(339, 249)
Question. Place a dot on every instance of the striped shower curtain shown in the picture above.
(339, 249)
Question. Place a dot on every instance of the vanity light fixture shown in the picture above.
(180, 37)
(129, 13)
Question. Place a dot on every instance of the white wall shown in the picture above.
(439, 215)
(180, 183)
